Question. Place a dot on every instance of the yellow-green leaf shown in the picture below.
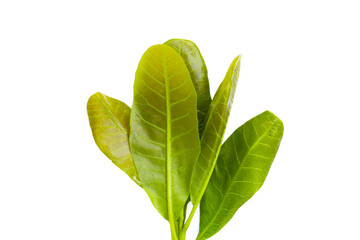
(164, 135)
(109, 121)
(243, 164)
(199, 75)
(214, 132)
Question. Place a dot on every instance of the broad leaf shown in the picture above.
(109, 121)
(164, 135)
(214, 132)
(198, 72)
(243, 164)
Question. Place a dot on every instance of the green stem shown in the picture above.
(177, 228)
(182, 234)
(182, 217)
(181, 220)
(173, 228)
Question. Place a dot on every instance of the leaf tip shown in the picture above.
(238, 61)
(275, 120)
(97, 94)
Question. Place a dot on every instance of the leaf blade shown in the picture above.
(244, 162)
(109, 121)
(199, 75)
(164, 142)
(214, 130)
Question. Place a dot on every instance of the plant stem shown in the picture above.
(173, 229)
(182, 234)
(180, 221)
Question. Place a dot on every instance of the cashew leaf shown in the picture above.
(164, 137)
(109, 121)
(243, 164)
(214, 130)
(169, 143)
(199, 75)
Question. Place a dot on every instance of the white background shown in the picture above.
(300, 60)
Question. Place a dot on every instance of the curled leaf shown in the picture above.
(214, 131)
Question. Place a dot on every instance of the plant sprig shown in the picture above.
(169, 142)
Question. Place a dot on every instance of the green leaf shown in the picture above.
(198, 72)
(109, 121)
(214, 132)
(164, 135)
(243, 164)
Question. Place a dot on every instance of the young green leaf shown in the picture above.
(109, 121)
(198, 72)
(164, 135)
(214, 132)
(243, 164)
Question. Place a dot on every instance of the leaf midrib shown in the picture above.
(168, 139)
(237, 172)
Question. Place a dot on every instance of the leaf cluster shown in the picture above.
(170, 141)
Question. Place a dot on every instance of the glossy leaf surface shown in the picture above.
(109, 121)
(243, 164)
(198, 72)
(214, 131)
(164, 135)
